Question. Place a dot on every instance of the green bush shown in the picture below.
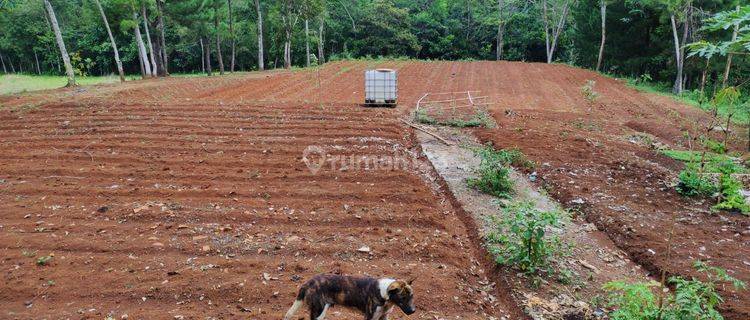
(692, 183)
(632, 300)
(731, 198)
(494, 175)
(520, 238)
(691, 299)
(715, 146)
(712, 161)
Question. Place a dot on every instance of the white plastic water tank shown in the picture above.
(381, 86)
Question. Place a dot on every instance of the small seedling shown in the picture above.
(43, 261)
(587, 90)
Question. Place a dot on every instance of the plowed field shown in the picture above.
(190, 197)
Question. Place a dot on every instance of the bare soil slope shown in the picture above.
(221, 158)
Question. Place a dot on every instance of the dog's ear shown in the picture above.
(395, 288)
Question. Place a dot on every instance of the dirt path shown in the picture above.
(589, 261)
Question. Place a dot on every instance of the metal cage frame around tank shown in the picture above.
(381, 87)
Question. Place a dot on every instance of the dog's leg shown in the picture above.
(318, 312)
(289, 314)
(323, 313)
(378, 314)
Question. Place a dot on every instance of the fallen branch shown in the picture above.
(427, 132)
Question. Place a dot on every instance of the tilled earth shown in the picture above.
(198, 208)
(191, 197)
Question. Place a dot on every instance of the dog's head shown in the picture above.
(401, 294)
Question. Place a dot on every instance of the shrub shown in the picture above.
(691, 299)
(730, 197)
(513, 157)
(715, 146)
(692, 183)
(632, 300)
(494, 175)
(520, 238)
(587, 90)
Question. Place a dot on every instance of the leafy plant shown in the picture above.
(520, 238)
(715, 146)
(494, 175)
(691, 299)
(712, 161)
(730, 197)
(632, 300)
(587, 90)
(644, 78)
(692, 183)
(43, 260)
(81, 66)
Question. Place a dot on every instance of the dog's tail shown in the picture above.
(297, 303)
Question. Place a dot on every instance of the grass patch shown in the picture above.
(692, 98)
(17, 83)
(714, 161)
(479, 119)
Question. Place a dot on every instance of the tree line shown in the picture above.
(690, 43)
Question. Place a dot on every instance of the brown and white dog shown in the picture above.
(374, 297)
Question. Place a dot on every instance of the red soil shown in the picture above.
(219, 162)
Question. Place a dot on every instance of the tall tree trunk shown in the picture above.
(307, 43)
(685, 31)
(38, 69)
(545, 19)
(61, 44)
(112, 41)
(729, 56)
(321, 56)
(556, 33)
(500, 30)
(677, 88)
(160, 71)
(141, 47)
(231, 34)
(209, 70)
(288, 50)
(260, 36)
(148, 39)
(203, 56)
(144, 75)
(162, 38)
(5, 70)
(603, 7)
(13, 69)
(703, 78)
(218, 40)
